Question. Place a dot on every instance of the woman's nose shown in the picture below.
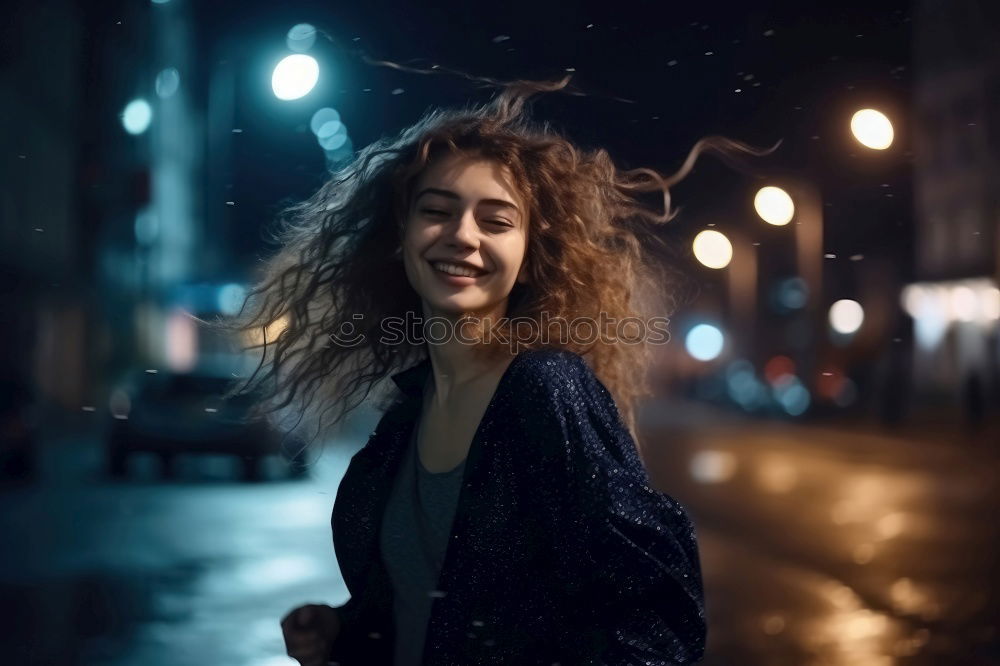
(464, 231)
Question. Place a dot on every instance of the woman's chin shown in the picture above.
(458, 306)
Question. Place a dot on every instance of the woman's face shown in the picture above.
(465, 211)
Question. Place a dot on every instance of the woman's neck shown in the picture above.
(456, 365)
(456, 369)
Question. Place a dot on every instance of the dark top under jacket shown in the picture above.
(415, 531)
(560, 549)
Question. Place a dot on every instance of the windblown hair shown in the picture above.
(591, 249)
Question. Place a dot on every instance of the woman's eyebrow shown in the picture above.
(452, 195)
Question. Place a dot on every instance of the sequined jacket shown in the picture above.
(561, 551)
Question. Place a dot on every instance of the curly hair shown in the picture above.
(593, 248)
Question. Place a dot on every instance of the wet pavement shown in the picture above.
(196, 570)
(823, 545)
(819, 546)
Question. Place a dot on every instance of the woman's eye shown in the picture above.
(438, 212)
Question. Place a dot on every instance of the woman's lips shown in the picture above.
(455, 280)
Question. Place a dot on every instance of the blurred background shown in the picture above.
(826, 408)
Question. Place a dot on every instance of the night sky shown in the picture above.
(755, 74)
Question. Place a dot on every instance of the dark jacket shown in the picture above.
(560, 549)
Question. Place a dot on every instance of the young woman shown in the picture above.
(500, 513)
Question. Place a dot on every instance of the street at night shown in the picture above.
(256, 256)
(820, 546)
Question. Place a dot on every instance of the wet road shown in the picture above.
(193, 571)
(818, 546)
(825, 546)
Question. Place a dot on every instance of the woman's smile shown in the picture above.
(454, 275)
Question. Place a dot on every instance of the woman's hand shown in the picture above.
(309, 632)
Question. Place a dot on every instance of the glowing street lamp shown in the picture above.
(712, 249)
(774, 205)
(846, 316)
(295, 76)
(137, 116)
(872, 129)
(704, 342)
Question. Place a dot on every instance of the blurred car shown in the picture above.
(169, 413)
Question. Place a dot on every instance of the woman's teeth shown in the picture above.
(452, 269)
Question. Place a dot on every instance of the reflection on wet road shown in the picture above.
(827, 547)
(152, 573)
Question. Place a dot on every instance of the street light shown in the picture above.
(294, 76)
(712, 249)
(704, 342)
(846, 316)
(872, 129)
(137, 116)
(774, 205)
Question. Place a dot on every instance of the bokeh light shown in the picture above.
(704, 342)
(137, 116)
(774, 205)
(963, 303)
(322, 117)
(846, 316)
(793, 397)
(712, 249)
(167, 82)
(742, 385)
(713, 466)
(792, 294)
(295, 76)
(872, 129)
(231, 297)
(301, 37)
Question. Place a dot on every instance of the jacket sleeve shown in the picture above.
(626, 554)
(364, 637)
(348, 613)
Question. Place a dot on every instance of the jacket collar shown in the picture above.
(412, 380)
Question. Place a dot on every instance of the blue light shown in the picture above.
(167, 82)
(329, 128)
(231, 298)
(332, 135)
(321, 117)
(137, 116)
(793, 293)
(295, 76)
(741, 383)
(793, 397)
(704, 342)
(334, 142)
(301, 37)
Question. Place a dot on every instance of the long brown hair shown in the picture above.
(592, 248)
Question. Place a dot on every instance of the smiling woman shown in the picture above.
(464, 240)
(523, 527)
